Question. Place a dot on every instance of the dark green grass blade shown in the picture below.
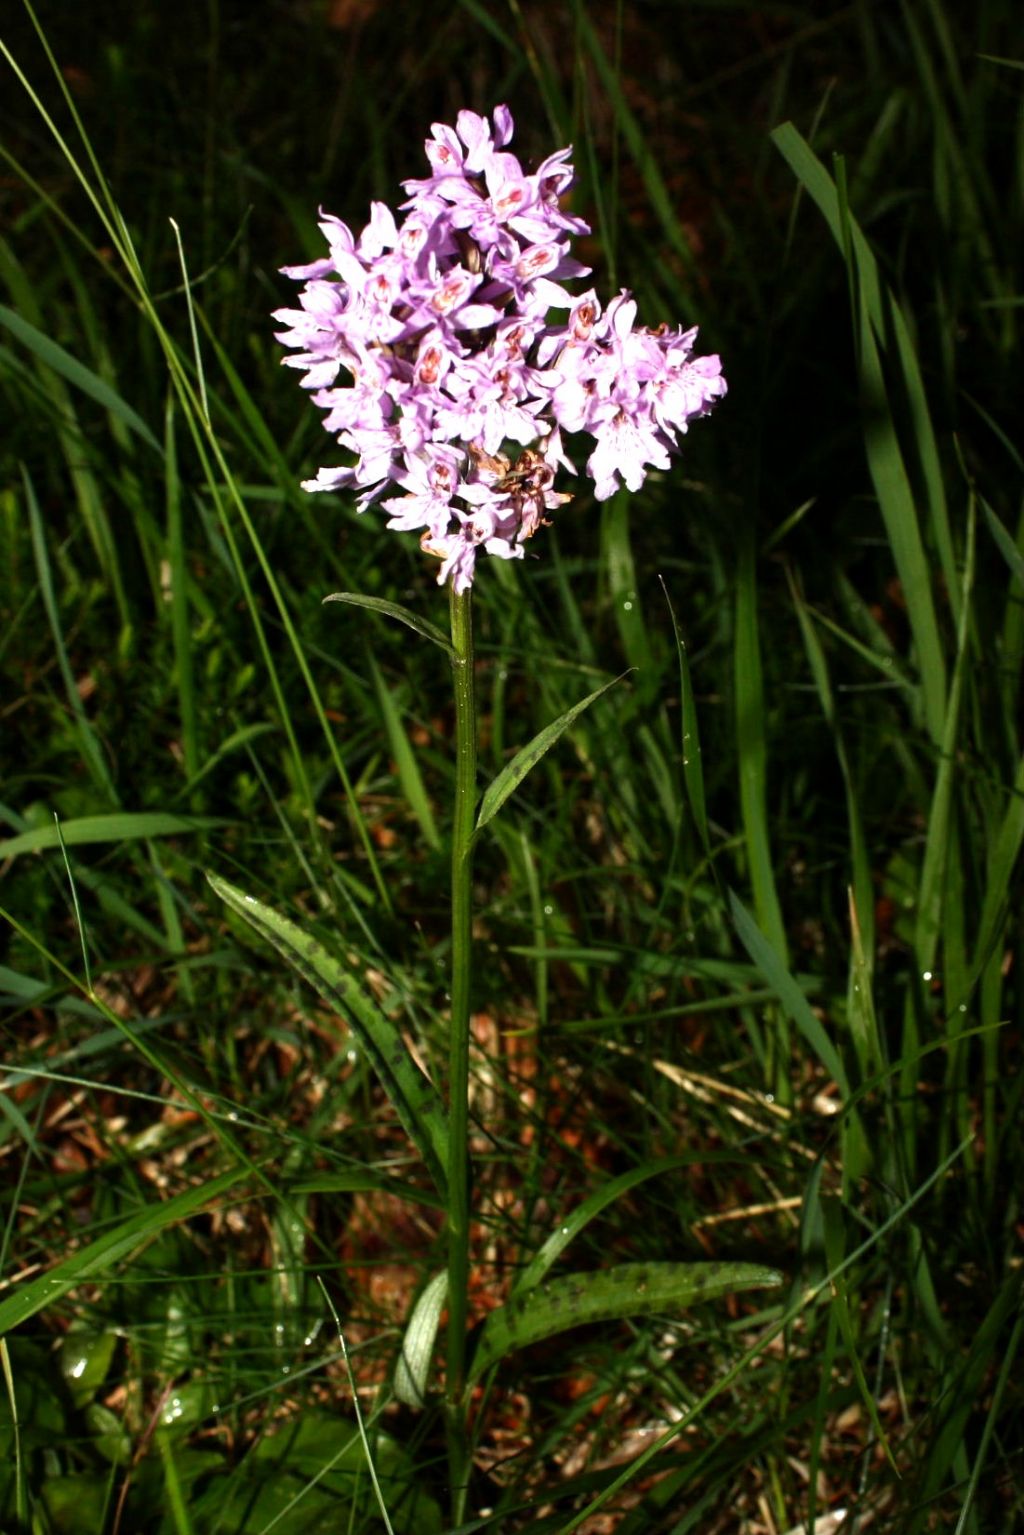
(92, 749)
(753, 770)
(767, 960)
(661, 199)
(835, 1252)
(1006, 1374)
(1005, 850)
(100, 1256)
(69, 436)
(943, 1458)
(877, 317)
(693, 769)
(627, 1289)
(620, 573)
(414, 1098)
(1004, 543)
(859, 856)
(409, 775)
(940, 815)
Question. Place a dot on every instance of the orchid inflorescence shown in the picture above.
(442, 322)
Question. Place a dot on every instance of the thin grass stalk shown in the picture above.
(458, 1046)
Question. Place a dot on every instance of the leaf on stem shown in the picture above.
(513, 773)
(395, 610)
(415, 1099)
(628, 1289)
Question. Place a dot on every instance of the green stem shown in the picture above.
(458, 1049)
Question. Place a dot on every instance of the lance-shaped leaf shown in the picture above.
(395, 610)
(513, 773)
(415, 1099)
(628, 1289)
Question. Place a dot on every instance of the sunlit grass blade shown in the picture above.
(53, 356)
(197, 356)
(360, 1180)
(21, 1489)
(180, 607)
(624, 1290)
(122, 826)
(414, 1098)
(98, 1258)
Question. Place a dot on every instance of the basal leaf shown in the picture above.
(629, 1289)
(413, 1369)
(415, 1099)
(513, 773)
